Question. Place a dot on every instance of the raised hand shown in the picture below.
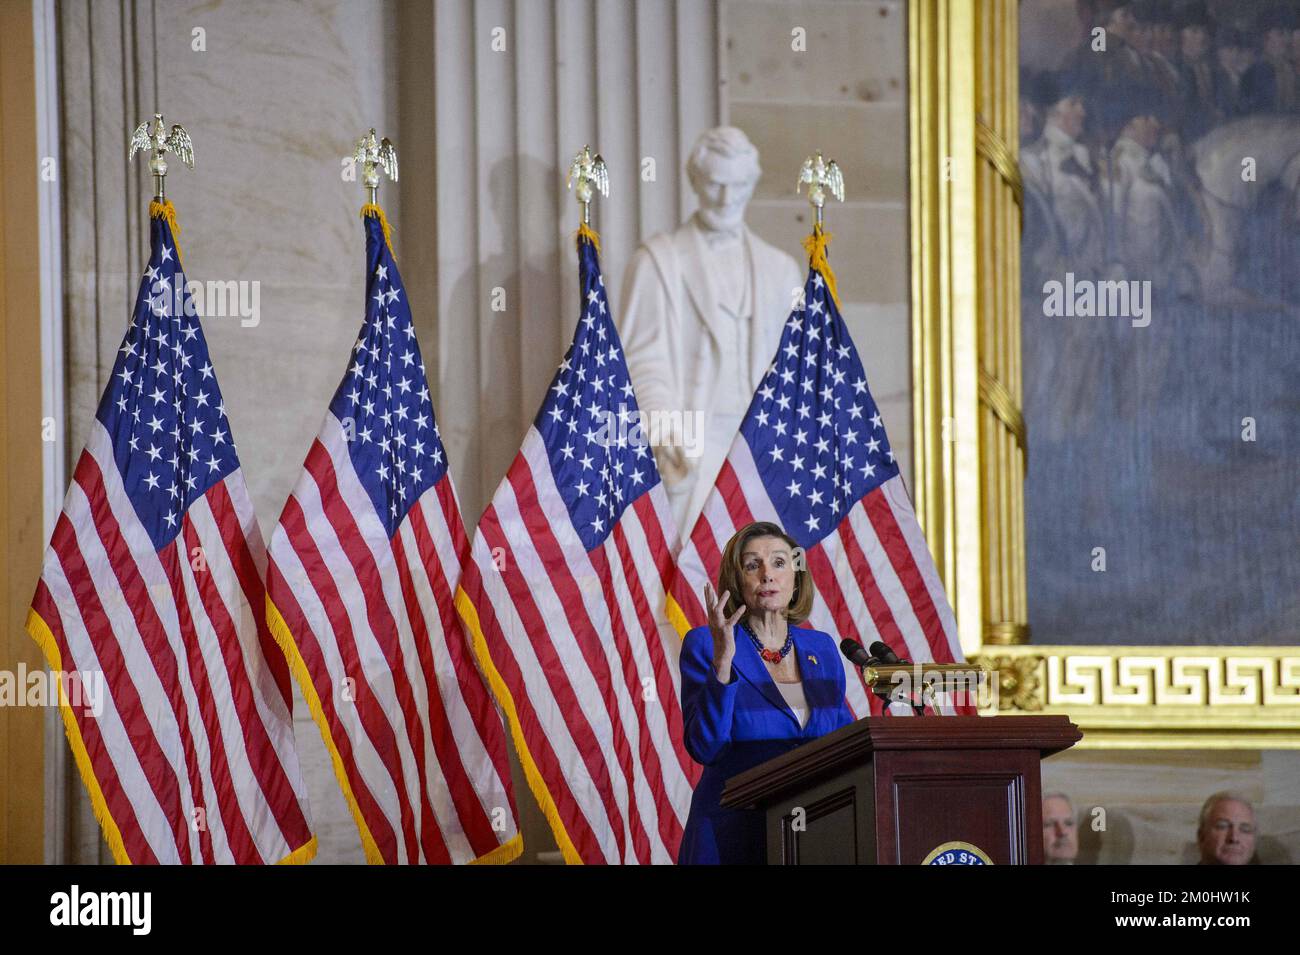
(722, 628)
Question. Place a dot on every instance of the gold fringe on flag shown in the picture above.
(586, 232)
(165, 210)
(40, 632)
(676, 616)
(815, 245)
(532, 774)
(373, 209)
(284, 639)
(302, 855)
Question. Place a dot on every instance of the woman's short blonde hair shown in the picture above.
(733, 572)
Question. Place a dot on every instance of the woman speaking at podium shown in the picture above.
(754, 686)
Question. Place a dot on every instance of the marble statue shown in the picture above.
(702, 312)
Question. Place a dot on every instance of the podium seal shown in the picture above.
(956, 853)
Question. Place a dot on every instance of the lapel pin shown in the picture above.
(812, 659)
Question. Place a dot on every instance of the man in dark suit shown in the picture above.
(1235, 55)
(1270, 85)
(1201, 79)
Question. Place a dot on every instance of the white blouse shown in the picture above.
(794, 698)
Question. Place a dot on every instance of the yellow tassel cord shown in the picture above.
(371, 209)
(586, 232)
(40, 632)
(815, 245)
(469, 614)
(298, 666)
(165, 210)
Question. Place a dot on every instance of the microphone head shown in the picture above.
(881, 650)
(856, 655)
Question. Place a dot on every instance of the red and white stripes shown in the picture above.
(192, 758)
(379, 651)
(584, 663)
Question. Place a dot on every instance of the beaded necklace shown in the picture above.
(771, 656)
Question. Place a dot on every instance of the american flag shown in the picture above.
(812, 457)
(153, 578)
(565, 594)
(364, 564)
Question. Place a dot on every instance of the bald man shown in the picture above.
(1226, 832)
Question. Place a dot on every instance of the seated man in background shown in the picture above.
(1226, 833)
(1060, 832)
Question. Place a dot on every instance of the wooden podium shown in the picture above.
(898, 790)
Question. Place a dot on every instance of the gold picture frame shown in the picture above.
(970, 436)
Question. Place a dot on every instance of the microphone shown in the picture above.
(857, 656)
(861, 659)
(886, 656)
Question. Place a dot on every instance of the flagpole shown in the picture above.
(821, 175)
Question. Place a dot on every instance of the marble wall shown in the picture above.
(517, 89)
(845, 93)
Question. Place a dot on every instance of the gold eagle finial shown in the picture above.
(589, 171)
(820, 175)
(374, 154)
(160, 141)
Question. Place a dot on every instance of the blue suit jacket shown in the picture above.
(735, 726)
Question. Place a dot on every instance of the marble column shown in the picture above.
(108, 84)
(839, 85)
(273, 95)
(518, 88)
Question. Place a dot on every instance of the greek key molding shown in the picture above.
(1157, 697)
